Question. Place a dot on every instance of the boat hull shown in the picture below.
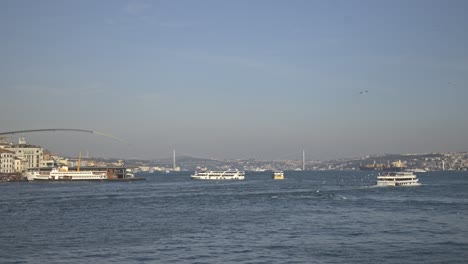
(396, 184)
(397, 179)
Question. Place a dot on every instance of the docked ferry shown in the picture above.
(399, 178)
(63, 174)
(219, 175)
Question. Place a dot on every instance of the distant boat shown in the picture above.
(416, 170)
(397, 179)
(278, 175)
(129, 173)
(219, 175)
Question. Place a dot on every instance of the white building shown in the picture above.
(31, 155)
(18, 164)
(47, 163)
(7, 161)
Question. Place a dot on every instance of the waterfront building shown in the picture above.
(47, 160)
(6, 161)
(18, 164)
(31, 155)
(47, 163)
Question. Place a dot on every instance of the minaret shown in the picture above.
(22, 141)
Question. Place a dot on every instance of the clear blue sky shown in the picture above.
(237, 79)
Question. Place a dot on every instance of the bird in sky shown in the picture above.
(363, 92)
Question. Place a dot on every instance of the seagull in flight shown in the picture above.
(363, 92)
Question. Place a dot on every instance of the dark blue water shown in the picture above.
(310, 217)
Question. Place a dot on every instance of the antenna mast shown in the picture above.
(79, 163)
(173, 161)
(303, 160)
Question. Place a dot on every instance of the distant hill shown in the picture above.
(429, 161)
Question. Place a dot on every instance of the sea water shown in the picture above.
(310, 217)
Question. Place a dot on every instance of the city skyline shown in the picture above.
(237, 79)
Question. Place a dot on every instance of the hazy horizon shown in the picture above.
(237, 79)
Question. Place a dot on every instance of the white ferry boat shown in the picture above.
(63, 174)
(278, 175)
(401, 178)
(218, 175)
